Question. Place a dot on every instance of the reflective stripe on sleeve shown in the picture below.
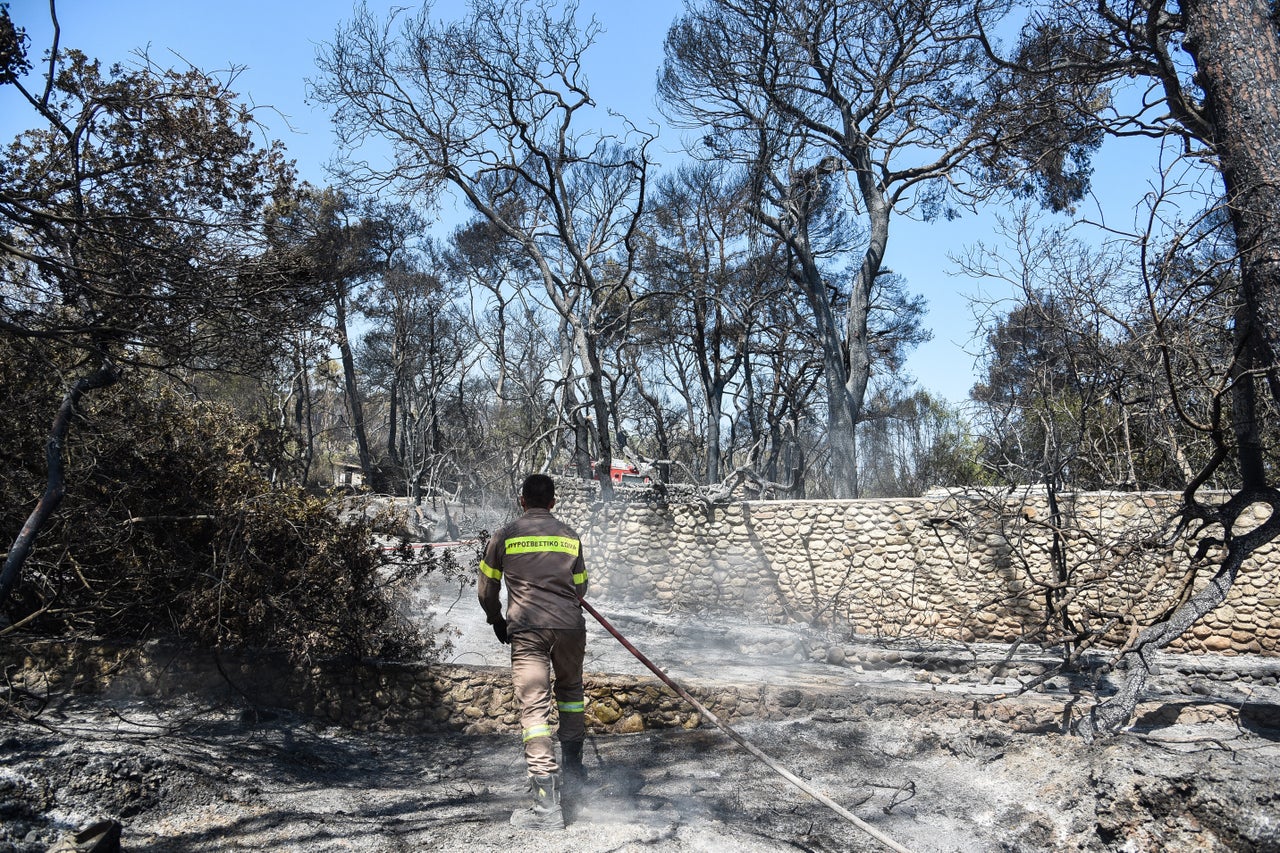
(571, 707)
(580, 578)
(489, 571)
(536, 731)
(543, 544)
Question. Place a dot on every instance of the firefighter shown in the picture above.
(540, 560)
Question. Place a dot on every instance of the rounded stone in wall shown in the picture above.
(1217, 643)
(633, 724)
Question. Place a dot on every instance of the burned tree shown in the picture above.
(1206, 76)
(493, 107)
(126, 211)
(842, 112)
(708, 282)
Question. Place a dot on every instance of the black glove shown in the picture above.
(500, 630)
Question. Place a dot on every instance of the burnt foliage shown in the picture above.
(174, 528)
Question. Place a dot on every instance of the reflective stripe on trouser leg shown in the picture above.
(566, 659)
(539, 751)
(531, 678)
(573, 725)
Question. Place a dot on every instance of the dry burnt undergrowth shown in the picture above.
(176, 524)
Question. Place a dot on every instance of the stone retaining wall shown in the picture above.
(968, 566)
(416, 698)
(382, 695)
(405, 697)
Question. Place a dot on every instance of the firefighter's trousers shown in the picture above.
(536, 654)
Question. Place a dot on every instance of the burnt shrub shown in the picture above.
(178, 523)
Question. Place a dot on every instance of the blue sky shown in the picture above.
(276, 40)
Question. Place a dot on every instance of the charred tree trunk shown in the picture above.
(304, 417)
(393, 421)
(844, 390)
(1135, 663)
(354, 405)
(571, 414)
(599, 425)
(1237, 54)
(106, 375)
(856, 371)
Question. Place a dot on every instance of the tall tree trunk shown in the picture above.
(399, 348)
(846, 356)
(857, 368)
(307, 412)
(844, 390)
(354, 405)
(300, 391)
(1237, 57)
(393, 422)
(714, 413)
(500, 357)
(570, 409)
(599, 403)
(753, 407)
(842, 438)
(796, 467)
(104, 376)
(713, 376)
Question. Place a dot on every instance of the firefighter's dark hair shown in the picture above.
(538, 490)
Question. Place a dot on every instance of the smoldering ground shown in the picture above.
(189, 778)
(923, 750)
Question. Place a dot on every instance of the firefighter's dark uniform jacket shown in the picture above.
(540, 558)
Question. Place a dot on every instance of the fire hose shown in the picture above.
(742, 741)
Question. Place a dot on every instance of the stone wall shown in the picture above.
(391, 696)
(968, 566)
(385, 696)
(946, 567)
(423, 697)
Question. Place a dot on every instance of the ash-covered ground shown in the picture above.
(1196, 773)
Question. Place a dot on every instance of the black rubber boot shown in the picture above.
(544, 813)
(571, 762)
